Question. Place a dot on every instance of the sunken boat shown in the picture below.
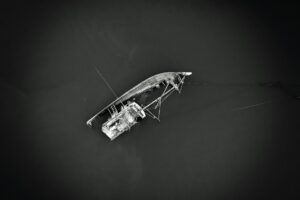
(144, 99)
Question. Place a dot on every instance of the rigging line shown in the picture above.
(107, 84)
(251, 106)
(284, 87)
(275, 84)
(219, 84)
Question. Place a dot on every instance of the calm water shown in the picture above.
(222, 137)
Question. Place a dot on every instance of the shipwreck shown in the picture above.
(144, 99)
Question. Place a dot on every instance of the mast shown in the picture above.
(108, 85)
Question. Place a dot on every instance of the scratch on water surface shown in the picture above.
(251, 106)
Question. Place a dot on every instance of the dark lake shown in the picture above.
(227, 135)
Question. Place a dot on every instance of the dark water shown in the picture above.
(223, 137)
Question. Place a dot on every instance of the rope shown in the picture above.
(107, 84)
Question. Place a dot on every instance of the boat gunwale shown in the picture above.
(164, 76)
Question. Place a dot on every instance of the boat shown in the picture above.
(144, 99)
